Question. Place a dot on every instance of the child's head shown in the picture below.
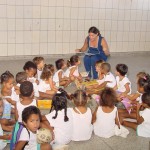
(30, 68)
(79, 98)
(46, 73)
(39, 61)
(143, 84)
(105, 68)
(59, 102)
(21, 77)
(121, 69)
(7, 80)
(140, 75)
(146, 99)
(60, 64)
(31, 118)
(98, 65)
(74, 60)
(108, 97)
(1, 106)
(26, 89)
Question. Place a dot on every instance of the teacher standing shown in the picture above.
(96, 49)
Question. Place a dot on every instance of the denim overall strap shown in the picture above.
(92, 50)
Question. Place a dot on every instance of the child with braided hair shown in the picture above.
(60, 119)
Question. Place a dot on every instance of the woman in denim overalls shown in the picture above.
(96, 48)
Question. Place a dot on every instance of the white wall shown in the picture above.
(32, 27)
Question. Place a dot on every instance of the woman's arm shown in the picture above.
(84, 47)
(105, 47)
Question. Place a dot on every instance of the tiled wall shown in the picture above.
(32, 27)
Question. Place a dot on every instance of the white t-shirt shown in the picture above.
(43, 86)
(144, 128)
(139, 99)
(21, 107)
(24, 136)
(82, 127)
(121, 84)
(111, 80)
(105, 123)
(56, 77)
(39, 72)
(76, 72)
(14, 95)
(62, 130)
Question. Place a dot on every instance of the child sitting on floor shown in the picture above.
(31, 118)
(73, 72)
(109, 79)
(123, 86)
(82, 117)
(142, 87)
(8, 90)
(142, 126)
(105, 116)
(40, 62)
(27, 99)
(5, 124)
(31, 69)
(61, 119)
(101, 77)
(59, 77)
(46, 84)
(2, 136)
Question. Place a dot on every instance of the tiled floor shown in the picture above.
(136, 62)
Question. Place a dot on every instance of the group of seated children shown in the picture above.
(115, 103)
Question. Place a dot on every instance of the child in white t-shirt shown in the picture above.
(142, 126)
(46, 84)
(26, 93)
(40, 62)
(60, 119)
(105, 116)
(123, 84)
(31, 69)
(109, 80)
(59, 77)
(82, 117)
(94, 89)
(73, 71)
(31, 118)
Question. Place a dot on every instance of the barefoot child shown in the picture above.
(59, 77)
